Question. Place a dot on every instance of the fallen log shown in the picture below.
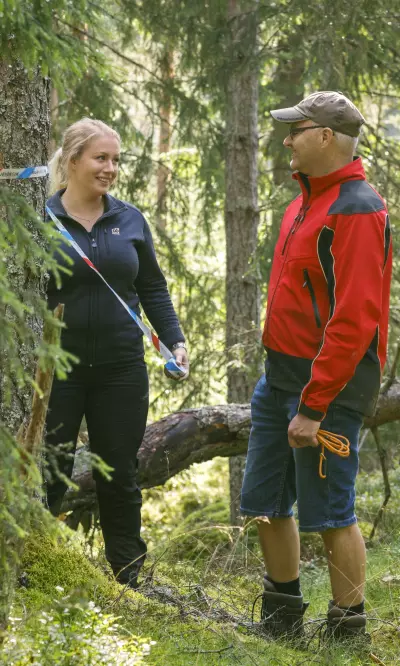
(194, 436)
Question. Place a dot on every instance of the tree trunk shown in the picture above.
(164, 143)
(193, 436)
(24, 138)
(287, 90)
(241, 217)
(54, 112)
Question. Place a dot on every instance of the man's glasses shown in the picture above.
(298, 130)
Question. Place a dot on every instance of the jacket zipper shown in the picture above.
(93, 243)
(106, 240)
(296, 223)
(308, 284)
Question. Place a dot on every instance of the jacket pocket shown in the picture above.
(308, 284)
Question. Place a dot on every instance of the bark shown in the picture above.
(241, 216)
(54, 112)
(194, 436)
(164, 143)
(388, 407)
(287, 89)
(24, 138)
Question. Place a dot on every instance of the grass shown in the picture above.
(205, 577)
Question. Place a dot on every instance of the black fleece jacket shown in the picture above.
(98, 329)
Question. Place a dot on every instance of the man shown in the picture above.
(325, 334)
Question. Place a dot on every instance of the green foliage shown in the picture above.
(165, 508)
(107, 62)
(72, 632)
(23, 266)
(16, 507)
(195, 610)
(26, 247)
(45, 34)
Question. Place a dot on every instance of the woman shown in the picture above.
(109, 385)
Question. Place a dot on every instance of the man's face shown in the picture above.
(306, 146)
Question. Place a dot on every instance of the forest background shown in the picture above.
(189, 86)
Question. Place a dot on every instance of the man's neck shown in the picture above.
(334, 165)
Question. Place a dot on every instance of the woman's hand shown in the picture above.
(182, 359)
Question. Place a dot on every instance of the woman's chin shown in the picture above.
(101, 188)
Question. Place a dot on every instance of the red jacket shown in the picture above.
(328, 299)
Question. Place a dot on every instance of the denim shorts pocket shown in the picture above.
(344, 421)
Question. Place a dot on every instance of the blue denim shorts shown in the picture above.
(276, 476)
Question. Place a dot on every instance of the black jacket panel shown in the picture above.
(98, 329)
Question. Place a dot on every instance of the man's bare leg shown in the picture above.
(346, 554)
(280, 545)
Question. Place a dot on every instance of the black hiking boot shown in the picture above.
(282, 614)
(343, 627)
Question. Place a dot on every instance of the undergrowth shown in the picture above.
(200, 581)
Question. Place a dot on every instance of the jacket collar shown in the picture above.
(313, 186)
(111, 205)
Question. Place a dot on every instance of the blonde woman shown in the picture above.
(109, 385)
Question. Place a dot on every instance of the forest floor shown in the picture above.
(201, 579)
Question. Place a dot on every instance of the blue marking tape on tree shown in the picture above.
(21, 174)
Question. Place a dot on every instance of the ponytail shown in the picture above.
(58, 178)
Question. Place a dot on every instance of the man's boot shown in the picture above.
(344, 626)
(282, 614)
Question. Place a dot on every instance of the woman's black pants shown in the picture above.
(114, 399)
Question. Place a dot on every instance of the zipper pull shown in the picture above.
(94, 244)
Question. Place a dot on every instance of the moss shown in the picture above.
(56, 559)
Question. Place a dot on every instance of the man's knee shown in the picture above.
(273, 524)
(333, 534)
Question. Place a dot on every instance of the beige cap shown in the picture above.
(328, 108)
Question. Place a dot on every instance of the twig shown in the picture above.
(44, 379)
(224, 649)
(383, 458)
(388, 623)
(392, 372)
(363, 438)
(376, 659)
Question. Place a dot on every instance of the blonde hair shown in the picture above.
(75, 139)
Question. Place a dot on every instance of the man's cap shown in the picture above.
(328, 108)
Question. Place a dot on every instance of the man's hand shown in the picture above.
(303, 432)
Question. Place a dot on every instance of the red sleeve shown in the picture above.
(358, 251)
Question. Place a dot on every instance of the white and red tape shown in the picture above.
(37, 172)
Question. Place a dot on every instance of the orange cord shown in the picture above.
(335, 443)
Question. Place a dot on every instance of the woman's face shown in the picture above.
(96, 168)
